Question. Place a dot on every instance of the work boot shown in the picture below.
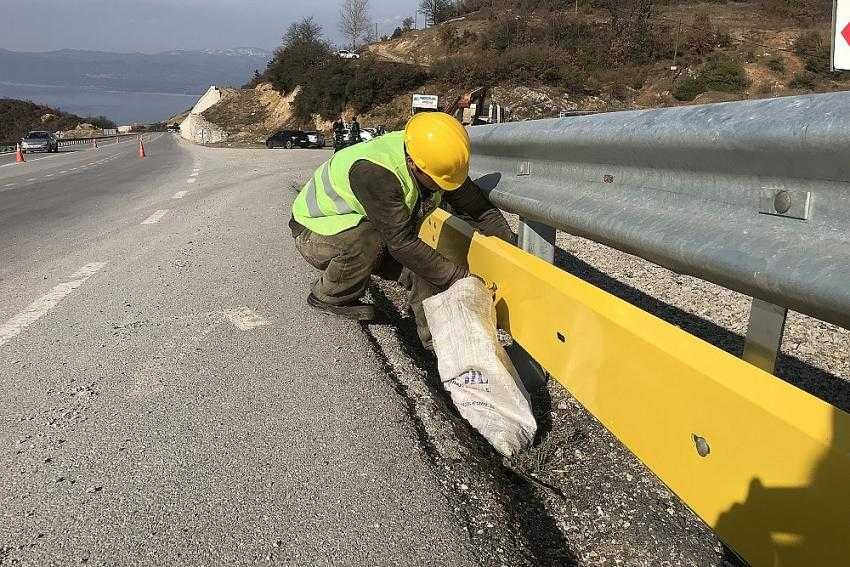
(356, 310)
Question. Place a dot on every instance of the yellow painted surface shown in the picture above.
(776, 483)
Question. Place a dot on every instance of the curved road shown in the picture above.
(166, 397)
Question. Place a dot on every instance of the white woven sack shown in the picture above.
(475, 369)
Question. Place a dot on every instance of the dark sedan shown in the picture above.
(288, 139)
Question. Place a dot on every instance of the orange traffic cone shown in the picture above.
(19, 155)
(141, 148)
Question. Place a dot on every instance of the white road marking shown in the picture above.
(88, 270)
(38, 308)
(92, 163)
(194, 174)
(63, 171)
(49, 175)
(245, 319)
(32, 179)
(156, 217)
(180, 194)
(9, 185)
(192, 180)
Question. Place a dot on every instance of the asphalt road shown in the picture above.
(166, 397)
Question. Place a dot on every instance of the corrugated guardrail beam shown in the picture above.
(754, 195)
(763, 463)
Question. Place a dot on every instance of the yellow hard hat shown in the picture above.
(438, 145)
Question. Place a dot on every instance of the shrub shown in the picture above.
(804, 80)
(776, 64)
(718, 74)
(701, 39)
(364, 84)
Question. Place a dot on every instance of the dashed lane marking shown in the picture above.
(156, 217)
(39, 308)
(246, 319)
(180, 194)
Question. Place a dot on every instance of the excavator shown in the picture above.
(470, 108)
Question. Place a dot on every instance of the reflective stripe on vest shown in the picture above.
(342, 207)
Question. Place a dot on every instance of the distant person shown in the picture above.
(380, 131)
(354, 131)
(339, 134)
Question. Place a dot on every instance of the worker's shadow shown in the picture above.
(797, 525)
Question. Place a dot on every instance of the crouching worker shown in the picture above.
(361, 211)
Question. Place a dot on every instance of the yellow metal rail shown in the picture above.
(764, 463)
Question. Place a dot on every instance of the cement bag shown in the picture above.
(475, 369)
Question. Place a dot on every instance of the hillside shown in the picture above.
(542, 57)
(17, 117)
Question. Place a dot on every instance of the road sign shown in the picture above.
(425, 102)
(841, 35)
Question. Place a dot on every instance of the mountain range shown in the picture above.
(185, 72)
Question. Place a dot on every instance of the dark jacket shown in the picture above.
(378, 191)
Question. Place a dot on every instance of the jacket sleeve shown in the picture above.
(469, 200)
(379, 192)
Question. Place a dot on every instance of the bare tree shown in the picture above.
(435, 11)
(354, 20)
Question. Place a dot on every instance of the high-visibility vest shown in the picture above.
(326, 204)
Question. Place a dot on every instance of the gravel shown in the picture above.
(579, 497)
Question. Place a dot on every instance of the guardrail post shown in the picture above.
(537, 238)
(764, 334)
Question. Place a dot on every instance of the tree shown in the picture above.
(301, 32)
(354, 20)
(407, 24)
(302, 51)
(435, 11)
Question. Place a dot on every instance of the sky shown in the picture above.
(161, 25)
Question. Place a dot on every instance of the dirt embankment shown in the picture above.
(251, 115)
(762, 42)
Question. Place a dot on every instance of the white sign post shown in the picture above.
(840, 60)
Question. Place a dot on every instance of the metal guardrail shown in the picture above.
(9, 147)
(762, 462)
(753, 196)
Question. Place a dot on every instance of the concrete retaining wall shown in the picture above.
(198, 130)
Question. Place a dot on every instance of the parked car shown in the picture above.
(39, 141)
(316, 139)
(346, 54)
(288, 139)
(366, 134)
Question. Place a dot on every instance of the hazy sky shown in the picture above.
(161, 25)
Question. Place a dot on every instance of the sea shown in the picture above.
(119, 106)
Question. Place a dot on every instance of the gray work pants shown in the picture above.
(349, 259)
